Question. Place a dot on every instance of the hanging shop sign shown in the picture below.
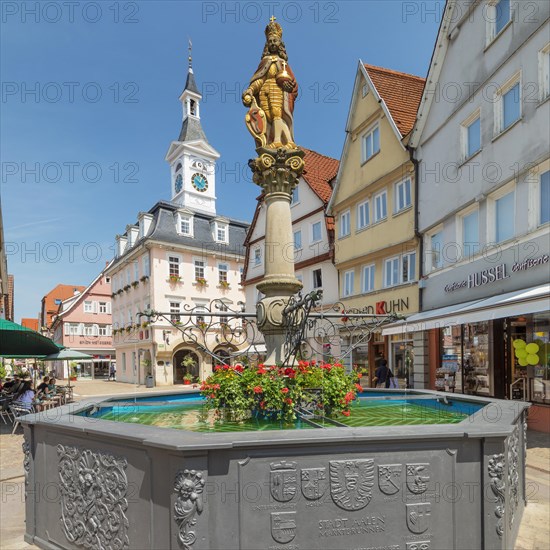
(496, 273)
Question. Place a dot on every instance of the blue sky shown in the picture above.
(90, 105)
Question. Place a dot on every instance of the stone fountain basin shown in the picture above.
(94, 483)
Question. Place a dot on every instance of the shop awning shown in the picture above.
(511, 304)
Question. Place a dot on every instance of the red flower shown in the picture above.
(217, 367)
(258, 389)
(212, 396)
(285, 390)
(350, 396)
(346, 413)
(226, 367)
(288, 401)
(359, 387)
(239, 368)
(262, 404)
(261, 370)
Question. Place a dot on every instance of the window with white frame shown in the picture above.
(102, 307)
(91, 330)
(103, 330)
(257, 256)
(136, 270)
(175, 310)
(363, 215)
(71, 329)
(349, 277)
(367, 278)
(402, 195)
(370, 143)
(408, 267)
(471, 135)
(508, 104)
(146, 265)
(498, 15)
(297, 240)
(295, 196)
(315, 232)
(222, 273)
(173, 266)
(504, 210)
(221, 232)
(381, 206)
(469, 227)
(434, 250)
(544, 72)
(344, 224)
(317, 278)
(391, 272)
(128, 276)
(199, 269)
(544, 198)
(88, 306)
(186, 227)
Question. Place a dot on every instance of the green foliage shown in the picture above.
(2, 371)
(238, 392)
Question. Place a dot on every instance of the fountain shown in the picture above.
(406, 470)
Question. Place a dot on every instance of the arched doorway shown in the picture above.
(192, 367)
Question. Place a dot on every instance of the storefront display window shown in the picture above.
(530, 357)
(465, 360)
(402, 362)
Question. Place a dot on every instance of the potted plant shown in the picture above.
(200, 281)
(145, 324)
(174, 279)
(224, 284)
(188, 363)
(144, 278)
(127, 288)
(72, 375)
(202, 325)
(149, 381)
(135, 284)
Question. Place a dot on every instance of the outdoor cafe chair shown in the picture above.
(5, 409)
(18, 411)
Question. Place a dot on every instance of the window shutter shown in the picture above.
(95, 307)
(109, 308)
(67, 327)
(95, 330)
(109, 330)
(81, 329)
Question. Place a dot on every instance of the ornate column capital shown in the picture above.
(277, 170)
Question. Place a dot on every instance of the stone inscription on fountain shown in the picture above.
(362, 503)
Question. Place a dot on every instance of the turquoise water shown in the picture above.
(187, 412)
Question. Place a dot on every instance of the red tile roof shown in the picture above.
(401, 92)
(59, 293)
(319, 172)
(30, 323)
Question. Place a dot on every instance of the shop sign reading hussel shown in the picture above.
(495, 273)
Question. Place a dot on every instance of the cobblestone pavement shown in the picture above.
(534, 533)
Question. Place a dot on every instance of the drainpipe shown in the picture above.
(416, 165)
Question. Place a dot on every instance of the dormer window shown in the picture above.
(221, 232)
(185, 225)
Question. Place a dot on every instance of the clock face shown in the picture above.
(179, 183)
(200, 183)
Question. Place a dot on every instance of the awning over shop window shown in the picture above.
(511, 304)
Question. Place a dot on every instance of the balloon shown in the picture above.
(521, 353)
(532, 348)
(532, 359)
(522, 362)
(519, 343)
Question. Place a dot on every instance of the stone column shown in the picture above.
(277, 172)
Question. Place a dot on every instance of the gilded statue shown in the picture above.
(271, 94)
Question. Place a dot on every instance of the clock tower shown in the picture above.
(192, 159)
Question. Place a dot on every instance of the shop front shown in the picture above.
(496, 347)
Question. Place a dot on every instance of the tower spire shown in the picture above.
(190, 58)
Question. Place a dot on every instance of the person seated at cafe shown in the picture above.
(11, 384)
(53, 391)
(43, 386)
(25, 396)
